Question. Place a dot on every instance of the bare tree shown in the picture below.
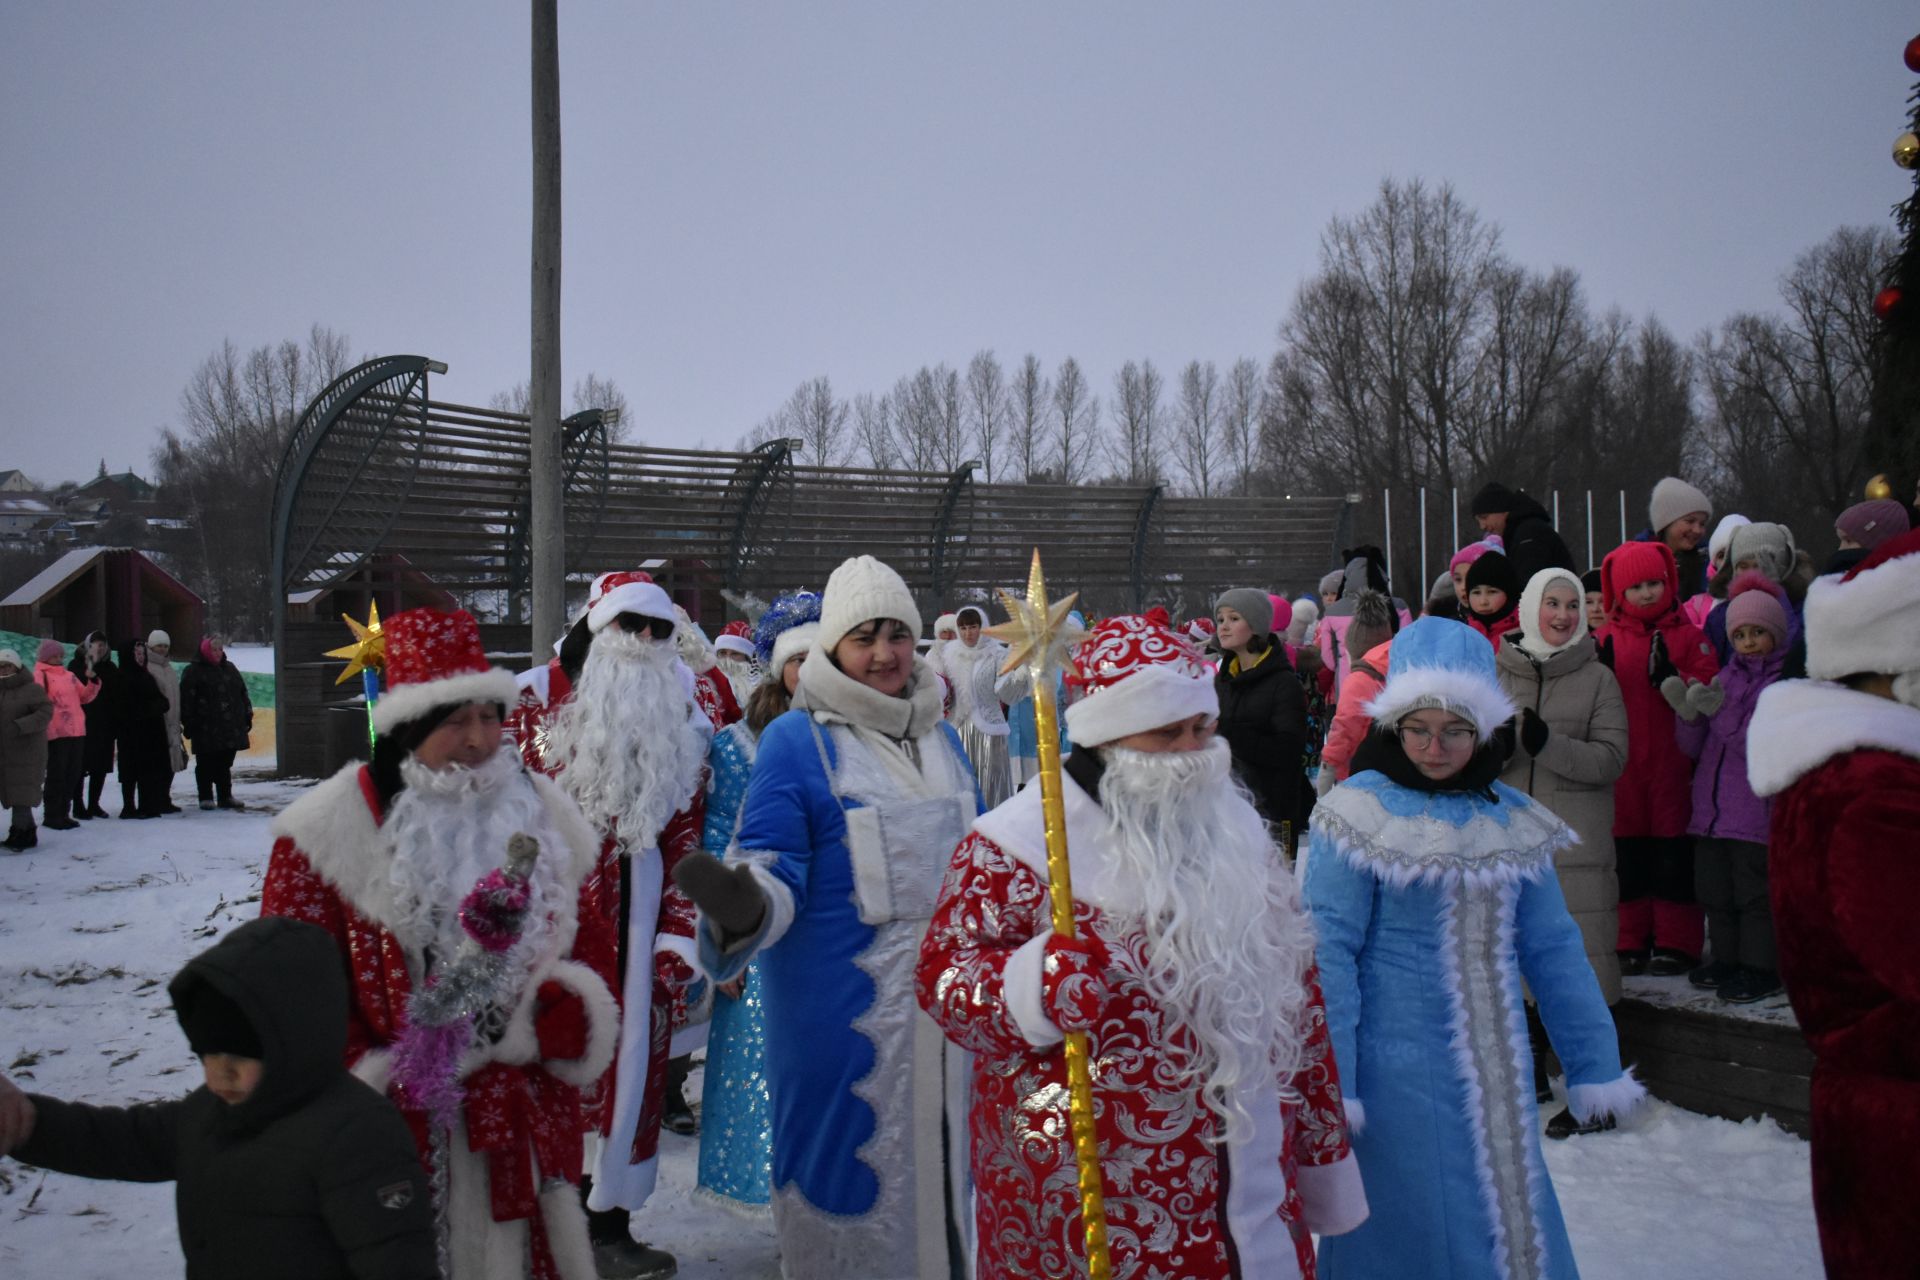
(236, 414)
(1135, 409)
(988, 410)
(873, 430)
(1031, 394)
(1790, 395)
(596, 392)
(1242, 408)
(918, 419)
(1076, 423)
(1199, 425)
(816, 418)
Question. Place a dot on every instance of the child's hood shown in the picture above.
(289, 979)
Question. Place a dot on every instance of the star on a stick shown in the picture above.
(1039, 634)
(369, 648)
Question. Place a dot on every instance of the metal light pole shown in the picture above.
(547, 545)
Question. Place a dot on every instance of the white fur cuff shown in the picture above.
(1333, 1200)
(1356, 1116)
(375, 1068)
(603, 1024)
(1617, 1098)
(1021, 988)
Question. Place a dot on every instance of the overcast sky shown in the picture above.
(756, 194)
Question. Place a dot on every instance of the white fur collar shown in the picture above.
(1799, 725)
(333, 826)
(1019, 827)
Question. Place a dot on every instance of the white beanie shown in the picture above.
(11, 658)
(1723, 537)
(946, 621)
(1674, 499)
(793, 640)
(157, 636)
(862, 589)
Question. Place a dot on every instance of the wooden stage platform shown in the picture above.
(1698, 1052)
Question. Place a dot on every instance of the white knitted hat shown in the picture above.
(1722, 536)
(1674, 498)
(861, 589)
(157, 636)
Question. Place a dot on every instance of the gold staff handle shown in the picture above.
(1040, 634)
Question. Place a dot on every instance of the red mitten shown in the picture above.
(560, 1022)
(1073, 981)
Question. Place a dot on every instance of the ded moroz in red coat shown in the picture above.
(602, 933)
(522, 1117)
(1177, 1203)
(1843, 870)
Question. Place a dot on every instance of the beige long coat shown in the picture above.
(1573, 776)
(169, 681)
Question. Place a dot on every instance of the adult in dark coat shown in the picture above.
(1677, 516)
(216, 715)
(93, 665)
(313, 1175)
(1525, 528)
(1839, 753)
(146, 766)
(1263, 706)
(25, 712)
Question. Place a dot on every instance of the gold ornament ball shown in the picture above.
(1906, 150)
(1878, 488)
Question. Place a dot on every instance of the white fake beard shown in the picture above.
(1227, 944)
(625, 742)
(450, 827)
(742, 675)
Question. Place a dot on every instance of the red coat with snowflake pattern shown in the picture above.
(1168, 1189)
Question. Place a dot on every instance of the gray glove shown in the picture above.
(729, 895)
(1674, 690)
(1705, 699)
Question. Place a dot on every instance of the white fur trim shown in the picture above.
(1408, 849)
(1333, 1200)
(567, 1235)
(647, 599)
(1356, 1115)
(1483, 702)
(1617, 1098)
(411, 701)
(374, 1068)
(734, 644)
(1149, 698)
(1867, 625)
(794, 640)
(603, 1023)
(334, 829)
(1023, 989)
(1799, 725)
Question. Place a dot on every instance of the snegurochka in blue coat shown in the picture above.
(858, 797)
(1431, 887)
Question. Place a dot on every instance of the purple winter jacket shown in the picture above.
(1723, 803)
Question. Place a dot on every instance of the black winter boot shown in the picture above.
(21, 839)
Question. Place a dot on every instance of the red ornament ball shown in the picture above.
(1913, 55)
(1888, 301)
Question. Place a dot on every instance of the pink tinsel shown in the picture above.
(491, 912)
(425, 1068)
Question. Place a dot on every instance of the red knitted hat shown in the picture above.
(1633, 562)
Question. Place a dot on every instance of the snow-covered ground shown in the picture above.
(251, 657)
(94, 922)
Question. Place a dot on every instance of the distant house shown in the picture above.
(112, 589)
(15, 482)
(20, 514)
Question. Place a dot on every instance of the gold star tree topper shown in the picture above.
(369, 648)
(1039, 635)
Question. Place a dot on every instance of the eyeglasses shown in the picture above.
(1415, 738)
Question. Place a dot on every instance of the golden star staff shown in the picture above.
(1040, 636)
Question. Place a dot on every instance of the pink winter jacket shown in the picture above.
(1351, 723)
(68, 696)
